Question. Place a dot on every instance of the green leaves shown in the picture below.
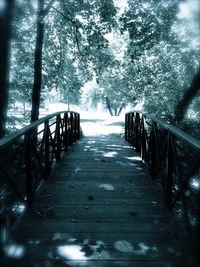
(148, 53)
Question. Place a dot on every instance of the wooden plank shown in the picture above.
(109, 238)
(108, 213)
(137, 202)
(97, 263)
(63, 226)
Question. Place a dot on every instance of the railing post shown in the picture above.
(66, 136)
(57, 138)
(28, 169)
(78, 123)
(152, 149)
(143, 140)
(75, 128)
(126, 126)
(131, 129)
(71, 128)
(169, 178)
(47, 149)
(137, 124)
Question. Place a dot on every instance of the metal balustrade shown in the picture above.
(173, 158)
(27, 156)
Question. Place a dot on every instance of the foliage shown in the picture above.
(148, 53)
(161, 61)
(22, 53)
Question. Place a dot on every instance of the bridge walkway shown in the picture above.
(100, 207)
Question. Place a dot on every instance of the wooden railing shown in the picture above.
(27, 156)
(173, 158)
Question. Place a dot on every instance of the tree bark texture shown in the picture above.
(187, 98)
(38, 63)
(5, 35)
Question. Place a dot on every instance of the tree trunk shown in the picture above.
(38, 63)
(5, 33)
(24, 106)
(120, 109)
(187, 98)
(108, 106)
(38, 58)
(68, 105)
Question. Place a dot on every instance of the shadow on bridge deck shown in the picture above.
(98, 208)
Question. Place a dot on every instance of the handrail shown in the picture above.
(176, 131)
(17, 134)
(173, 158)
(27, 156)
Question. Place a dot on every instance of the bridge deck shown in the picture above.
(99, 208)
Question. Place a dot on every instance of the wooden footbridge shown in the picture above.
(103, 200)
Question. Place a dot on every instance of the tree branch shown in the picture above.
(73, 22)
(131, 97)
(48, 7)
(187, 98)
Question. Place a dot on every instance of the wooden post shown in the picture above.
(78, 123)
(47, 150)
(28, 169)
(66, 136)
(75, 127)
(131, 127)
(71, 128)
(152, 149)
(169, 178)
(126, 127)
(143, 140)
(57, 137)
(137, 124)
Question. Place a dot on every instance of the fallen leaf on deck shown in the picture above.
(91, 198)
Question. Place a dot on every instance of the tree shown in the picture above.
(186, 100)
(22, 53)
(189, 31)
(113, 86)
(144, 55)
(162, 55)
(42, 12)
(147, 23)
(96, 38)
(5, 34)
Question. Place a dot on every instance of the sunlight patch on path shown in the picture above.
(101, 124)
(108, 187)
